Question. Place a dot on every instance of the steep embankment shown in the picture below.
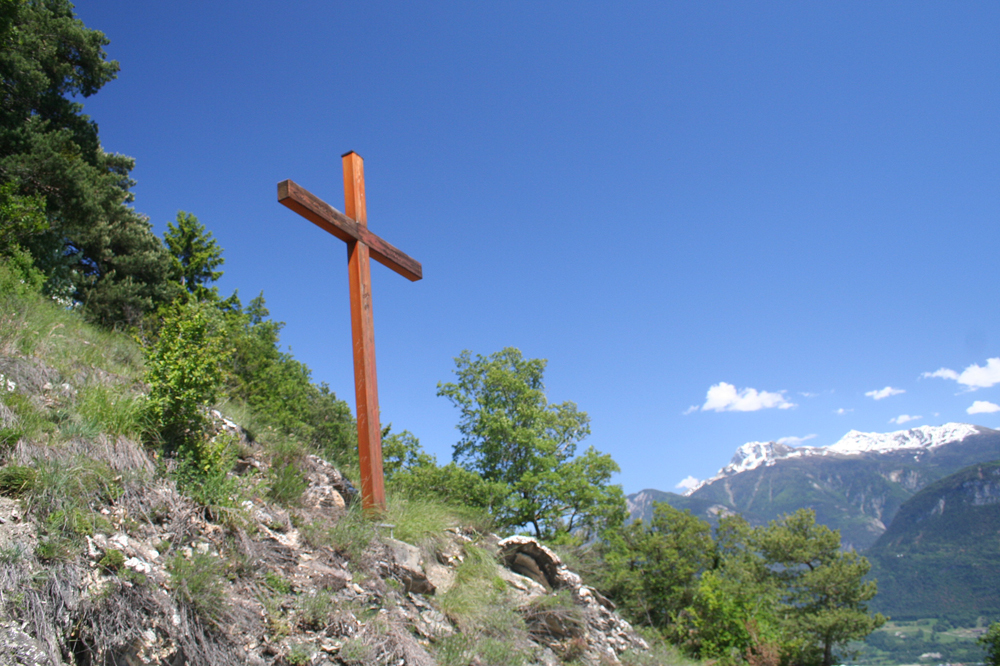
(941, 555)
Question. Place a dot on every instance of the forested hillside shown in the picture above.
(937, 557)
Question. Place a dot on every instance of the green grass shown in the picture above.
(350, 535)
(113, 410)
(199, 582)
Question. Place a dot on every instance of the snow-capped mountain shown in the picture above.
(924, 437)
(756, 454)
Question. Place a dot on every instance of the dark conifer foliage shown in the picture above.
(95, 249)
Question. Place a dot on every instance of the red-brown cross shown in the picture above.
(352, 228)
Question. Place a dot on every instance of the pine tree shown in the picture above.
(94, 248)
(823, 589)
(196, 255)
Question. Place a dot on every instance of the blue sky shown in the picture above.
(719, 222)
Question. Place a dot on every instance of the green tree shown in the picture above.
(511, 435)
(823, 591)
(652, 569)
(991, 643)
(94, 246)
(734, 608)
(196, 256)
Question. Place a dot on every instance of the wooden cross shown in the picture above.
(352, 228)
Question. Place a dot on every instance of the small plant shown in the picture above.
(199, 583)
(12, 554)
(554, 615)
(76, 521)
(286, 482)
(28, 422)
(299, 654)
(277, 583)
(54, 549)
(314, 611)
(205, 475)
(112, 562)
(491, 631)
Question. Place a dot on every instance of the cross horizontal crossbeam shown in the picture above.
(332, 221)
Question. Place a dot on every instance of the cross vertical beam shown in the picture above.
(362, 245)
(363, 335)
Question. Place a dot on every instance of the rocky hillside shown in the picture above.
(941, 555)
(115, 551)
(163, 580)
(856, 485)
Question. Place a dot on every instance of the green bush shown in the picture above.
(184, 373)
(991, 644)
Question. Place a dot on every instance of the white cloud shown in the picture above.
(807, 394)
(687, 483)
(842, 411)
(943, 373)
(904, 418)
(975, 376)
(689, 410)
(884, 393)
(723, 397)
(982, 407)
(795, 441)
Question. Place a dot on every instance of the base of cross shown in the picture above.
(351, 226)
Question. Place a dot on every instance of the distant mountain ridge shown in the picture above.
(755, 454)
(855, 485)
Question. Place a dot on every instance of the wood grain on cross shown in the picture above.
(351, 226)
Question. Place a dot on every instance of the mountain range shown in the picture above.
(856, 485)
(922, 504)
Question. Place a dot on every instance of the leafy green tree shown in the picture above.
(652, 569)
(94, 246)
(512, 436)
(823, 591)
(401, 453)
(196, 256)
(991, 643)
